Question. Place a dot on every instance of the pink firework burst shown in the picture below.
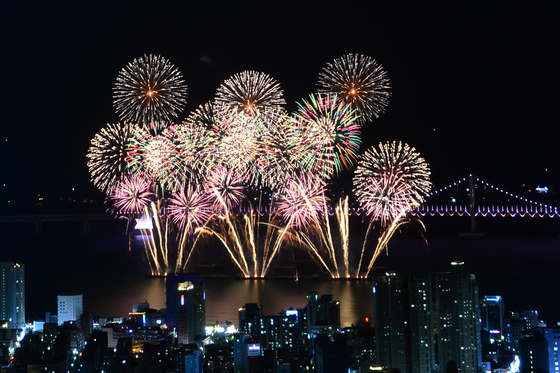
(132, 194)
(226, 188)
(189, 207)
(302, 200)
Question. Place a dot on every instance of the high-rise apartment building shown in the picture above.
(70, 308)
(459, 326)
(493, 315)
(390, 310)
(249, 320)
(541, 351)
(421, 323)
(531, 319)
(513, 331)
(186, 307)
(12, 294)
(283, 331)
(322, 314)
(534, 353)
(404, 330)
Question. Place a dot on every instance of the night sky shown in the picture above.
(474, 87)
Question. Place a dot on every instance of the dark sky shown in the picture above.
(474, 87)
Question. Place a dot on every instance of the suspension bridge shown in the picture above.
(469, 196)
(482, 201)
(473, 197)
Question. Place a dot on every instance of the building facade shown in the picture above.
(186, 307)
(12, 294)
(404, 331)
(322, 314)
(70, 308)
(459, 328)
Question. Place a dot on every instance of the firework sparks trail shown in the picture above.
(359, 81)
(107, 156)
(325, 134)
(150, 246)
(387, 234)
(344, 227)
(327, 239)
(302, 202)
(321, 226)
(251, 92)
(188, 208)
(387, 183)
(240, 237)
(308, 242)
(267, 260)
(252, 233)
(149, 90)
(162, 228)
(228, 231)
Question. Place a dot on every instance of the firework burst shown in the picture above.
(238, 142)
(360, 81)
(388, 183)
(189, 207)
(251, 92)
(131, 195)
(302, 200)
(164, 157)
(325, 135)
(389, 179)
(226, 188)
(205, 116)
(148, 90)
(107, 155)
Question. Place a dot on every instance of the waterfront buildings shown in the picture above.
(404, 330)
(322, 314)
(249, 320)
(492, 337)
(459, 340)
(186, 307)
(12, 294)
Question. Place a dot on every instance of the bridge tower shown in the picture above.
(472, 204)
